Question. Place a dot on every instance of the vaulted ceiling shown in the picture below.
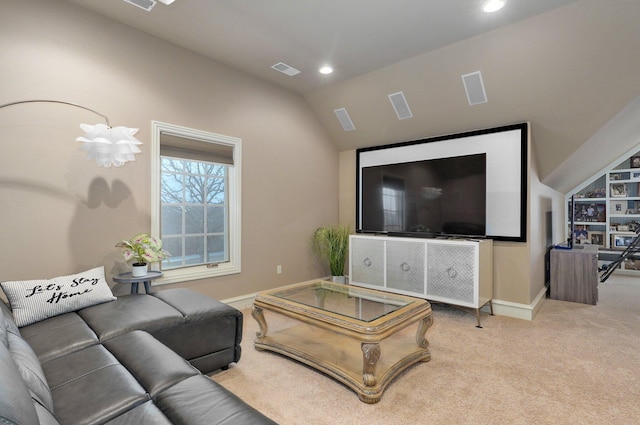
(566, 66)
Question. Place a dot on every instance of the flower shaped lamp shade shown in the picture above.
(107, 145)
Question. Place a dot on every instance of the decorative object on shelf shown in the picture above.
(619, 207)
(596, 238)
(621, 240)
(635, 161)
(107, 145)
(615, 176)
(331, 243)
(597, 193)
(594, 212)
(580, 235)
(618, 190)
(143, 250)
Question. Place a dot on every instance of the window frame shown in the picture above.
(203, 271)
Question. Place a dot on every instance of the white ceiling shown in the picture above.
(354, 36)
(567, 66)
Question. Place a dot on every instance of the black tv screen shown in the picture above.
(505, 196)
(428, 197)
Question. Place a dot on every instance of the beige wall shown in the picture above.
(61, 213)
(543, 200)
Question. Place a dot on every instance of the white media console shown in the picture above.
(451, 271)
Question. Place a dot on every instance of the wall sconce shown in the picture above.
(107, 145)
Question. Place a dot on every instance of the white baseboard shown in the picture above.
(500, 308)
(242, 302)
(520, 311)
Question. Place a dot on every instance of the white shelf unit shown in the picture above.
(613, 194)
(451, 271)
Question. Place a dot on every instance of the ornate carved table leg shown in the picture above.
(370, 356)
(423, 326)
(259, 317)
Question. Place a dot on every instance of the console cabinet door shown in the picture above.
(367, 261)
(405, 267)
(456, 272)
(451, 273)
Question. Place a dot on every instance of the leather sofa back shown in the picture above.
(19, 397)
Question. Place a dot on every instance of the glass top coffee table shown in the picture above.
(352, 334)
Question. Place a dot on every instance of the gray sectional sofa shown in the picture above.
(138, 359)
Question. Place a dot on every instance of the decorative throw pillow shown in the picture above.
(35, 300)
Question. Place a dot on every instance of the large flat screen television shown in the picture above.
(466, 184)
(428, 197)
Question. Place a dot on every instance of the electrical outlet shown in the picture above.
(279, 269)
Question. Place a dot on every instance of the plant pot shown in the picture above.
(139, 269)
(338, 279)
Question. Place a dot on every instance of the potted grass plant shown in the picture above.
(331, 244)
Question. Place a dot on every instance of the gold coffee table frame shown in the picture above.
(347, 332)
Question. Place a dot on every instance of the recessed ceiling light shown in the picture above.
(325, 70)
(493, 5)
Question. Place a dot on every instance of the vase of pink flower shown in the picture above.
(143, 250)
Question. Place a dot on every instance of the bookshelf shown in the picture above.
(607, 208)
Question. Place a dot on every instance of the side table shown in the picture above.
(574, 275)
(146, 279)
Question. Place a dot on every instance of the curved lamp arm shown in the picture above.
(108, 146)
(57, 101)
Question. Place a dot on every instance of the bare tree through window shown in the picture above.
(194, 213)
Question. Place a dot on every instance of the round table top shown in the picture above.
(127, 278)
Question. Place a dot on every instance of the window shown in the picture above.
(196, 199)
(393, 203)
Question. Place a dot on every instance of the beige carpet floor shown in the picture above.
(573, 364)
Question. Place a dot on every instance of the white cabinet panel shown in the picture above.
(367, 261)
(405, 266)
(453, 271)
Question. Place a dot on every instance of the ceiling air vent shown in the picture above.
(475, 88)
(400, 105)
(345, 119)
(143, 4)
(285, 69)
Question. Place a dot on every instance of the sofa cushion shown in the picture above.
(145, 413)
(199, 397)
(129, 313)
(193, 306)
(59, 335)
(35, 300)
(30, 370)
(152, 363)
(195, 340)
(91, 386)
